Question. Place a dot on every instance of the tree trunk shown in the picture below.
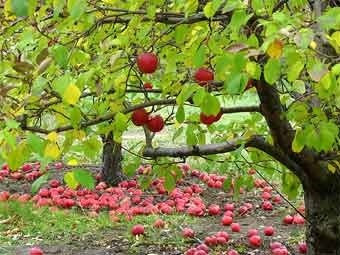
(323, 215)
(112, 161)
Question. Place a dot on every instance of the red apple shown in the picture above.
(302, 248)
(233, 252)
(188, 233)
(266, 205)
(251, 171)
(159, 223)
(4, 196)
(277, 199)
(235, 227)
(280, 251)
(27, 167)
(203, 76)
(214, 209)
(147, 62)
(140, 117)
(298, 219)
(203, 247)
(266, 195)
(252, 232)
(36, 251)
(227, 220)
(276, 245)
(288, 219)
(229, 207)
(16, 175)
(147, 85)
(137, 230)
(54, 183)
(255, 240)
(268, 231)
(155, 123)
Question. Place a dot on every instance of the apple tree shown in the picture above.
(74, 73)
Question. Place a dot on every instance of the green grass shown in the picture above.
(23, 223)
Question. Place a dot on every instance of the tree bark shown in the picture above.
(112, 161)
(323, 215)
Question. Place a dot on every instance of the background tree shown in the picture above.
(69, 76)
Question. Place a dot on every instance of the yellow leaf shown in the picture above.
(331, 168)
(79, 134)
(52, 151)
(72, 162)
(71, 94)
(336, 37)
(275, 49)
(53, 136)
(313, 45)
(8, 11)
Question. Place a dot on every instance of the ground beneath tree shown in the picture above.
(114, 240)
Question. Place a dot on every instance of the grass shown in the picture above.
(21, 224)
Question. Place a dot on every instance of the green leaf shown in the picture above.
(272, 70)
(36, 144)
(84, 178)
(91, 147)
(328, 81)
(199, 57)
(177, 133)
(298, 142)
(238, 19)
(328, 132)
(237, 186)
(186, 93)
(290, 185)
(18, 156)
(121, 122)
(144, 181)
(58, 6)
(311, 137)
(20, 7)
(211, 7)
(75, 117)
(60, 54)
(12, 124)
(70, 180)
(180, 115)
(191, 138)
(336, 69)
(39, 182)
(76, 8)
(130, 168)
(227, 184)
(61, 83)
(210, 105)
(198, 97)
(294, 71)
(180, 33)
(236, 83)
(169, 182)
(254, 70)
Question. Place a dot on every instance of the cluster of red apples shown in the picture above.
(128, 200)
(147, 63)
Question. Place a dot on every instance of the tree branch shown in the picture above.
(257, 142)
(109, 116)
(168, 19)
